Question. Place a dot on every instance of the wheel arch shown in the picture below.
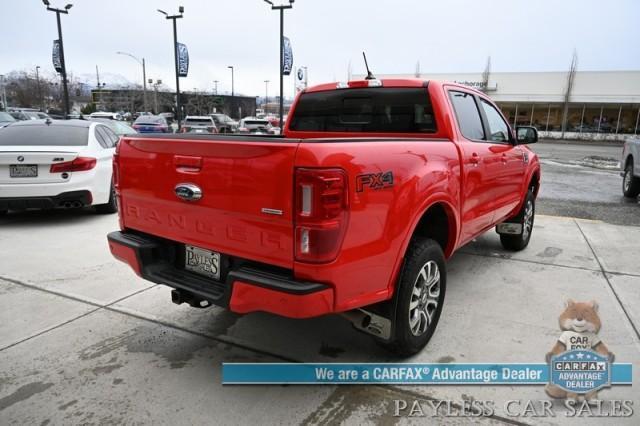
(438, 210)
(628, 160)
(534, 182)
(437, 219)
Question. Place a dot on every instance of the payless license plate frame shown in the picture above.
(203, 262)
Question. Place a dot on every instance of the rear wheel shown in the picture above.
(111, 206)
(525, 218)
(419, 297)
(630, 183)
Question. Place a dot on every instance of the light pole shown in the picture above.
(175, 55)
(4, 92)
(62, 62)
(215, 87)
(38, 83)
(144, 76)
(266, 95)
(155, 93)
(281, 9)
(232, 92)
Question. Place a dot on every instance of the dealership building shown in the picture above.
(601, 104)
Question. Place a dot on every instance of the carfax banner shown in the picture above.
(410, 374)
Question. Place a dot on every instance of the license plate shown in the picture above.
(199, 130)
(23, 170)
(202, 261)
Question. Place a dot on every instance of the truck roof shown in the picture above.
(385, 82)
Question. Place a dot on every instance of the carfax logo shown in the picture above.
(579, 362)
(580, 372)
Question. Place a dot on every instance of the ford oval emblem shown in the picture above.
(20, 158)
(188, 191)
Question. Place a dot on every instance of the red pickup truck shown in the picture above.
(353, 210)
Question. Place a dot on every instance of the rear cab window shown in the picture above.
(44, 135)
(365, 110)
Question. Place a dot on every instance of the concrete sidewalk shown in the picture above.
(82, 340)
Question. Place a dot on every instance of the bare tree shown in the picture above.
(567, 94)
(486, 74)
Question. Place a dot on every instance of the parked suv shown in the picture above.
(198, 124)
(224, 123)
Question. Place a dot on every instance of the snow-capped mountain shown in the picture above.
(111, 80)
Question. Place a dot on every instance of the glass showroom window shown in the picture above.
(539, 116)
(629, 119)
(554, 117)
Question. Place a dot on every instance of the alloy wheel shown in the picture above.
(424, 298)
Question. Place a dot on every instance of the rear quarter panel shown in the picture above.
(381, 220)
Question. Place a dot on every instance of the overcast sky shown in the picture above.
(444, 36)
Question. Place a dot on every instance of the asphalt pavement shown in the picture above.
(583, 180)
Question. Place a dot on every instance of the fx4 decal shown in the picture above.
(374, 181)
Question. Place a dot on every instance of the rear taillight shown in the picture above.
(322, 213)
(212, 130)
(80, 164)
(184, 129)
(116, 171)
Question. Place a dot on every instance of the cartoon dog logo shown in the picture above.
(580, 325)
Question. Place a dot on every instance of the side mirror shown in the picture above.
(526, 135)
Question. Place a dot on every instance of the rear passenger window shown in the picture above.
(112, 137)
(468, 115)
(101, 137)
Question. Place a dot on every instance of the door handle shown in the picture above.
(475, 159)
(185, 163)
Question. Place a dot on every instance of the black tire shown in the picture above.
(111, 206)
(630, 183)
(526, 219)
(423, 253)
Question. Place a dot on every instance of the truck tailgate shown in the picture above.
(246, 183)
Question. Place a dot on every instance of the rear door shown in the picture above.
(246, 185)
(481, 165)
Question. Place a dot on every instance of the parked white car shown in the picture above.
(57, 164)
(631, 168)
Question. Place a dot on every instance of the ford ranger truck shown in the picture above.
(353, 210)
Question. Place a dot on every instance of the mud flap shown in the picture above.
(508, 228)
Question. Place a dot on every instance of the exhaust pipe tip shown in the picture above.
(370, 322)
